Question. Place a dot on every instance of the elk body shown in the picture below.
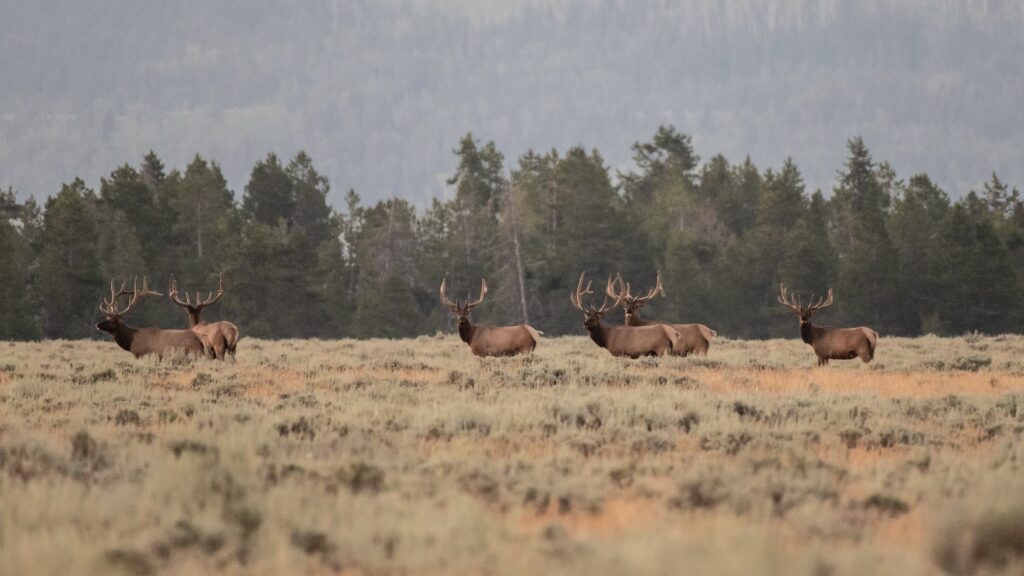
(628, 341)
(693, 338)
(143, 341)
(218, 337)
(830, 343)
(490, 340)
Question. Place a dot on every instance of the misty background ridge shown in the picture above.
(378, 92)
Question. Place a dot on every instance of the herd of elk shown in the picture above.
(830, 343)
(630, 341)
(143, 341)
(201, 338)
(638, 337)
(489, 340)
(218, 337)
(633, 339)
(694, 338)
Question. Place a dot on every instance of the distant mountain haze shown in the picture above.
(379, 92)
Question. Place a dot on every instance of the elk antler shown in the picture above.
(793, 302)
(823, 302)
(110, 307)
(641, 300)
(577, 297)
(786, 300)
(172, 293)
(455, 306)
(478, 301)
(614, 294)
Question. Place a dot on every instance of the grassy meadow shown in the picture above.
(414, 457)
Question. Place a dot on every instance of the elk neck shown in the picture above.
(124, 335)
(466, 331)
(599, 334)
(809, 332)
(193, 317)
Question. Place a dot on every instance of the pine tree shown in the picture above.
(386, 308)
(866, 290)
(980, 288)
(71, 285)
(126, 192)
(17, 318)
(200, 199)
(310, 214)
(478, 180)
(386, 252)
(661, 195)
(269, 195)
(915, 226)
(751, 267)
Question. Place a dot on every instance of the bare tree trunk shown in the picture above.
(388, 242)
(465, 234)
(199, 229)
(520, 276)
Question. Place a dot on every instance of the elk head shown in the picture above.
(462, 311)
(195, 309)
(592, 314)
(110, 309)
(631, 304)
(803, 312)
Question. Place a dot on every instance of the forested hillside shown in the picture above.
(377, 90)
(724, 232)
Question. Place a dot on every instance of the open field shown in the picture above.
(371, 457)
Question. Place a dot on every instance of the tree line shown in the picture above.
(901, 256)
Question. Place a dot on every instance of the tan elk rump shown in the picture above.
(143, 341)
(489, 340)
(693, 338)
(830, 343)
(628, 341)
(218, 337)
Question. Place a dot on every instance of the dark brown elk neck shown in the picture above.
(124, 336)
(466, 331)
(193, 317)
(599, 334)
(810, 333)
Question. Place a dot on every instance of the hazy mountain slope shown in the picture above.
(379, 92)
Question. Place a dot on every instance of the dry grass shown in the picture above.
(367, 457)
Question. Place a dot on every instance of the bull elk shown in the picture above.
(143, 341)
(630, 341)
(218, 337)
(489, 340)
(830, 343)
(694, 338)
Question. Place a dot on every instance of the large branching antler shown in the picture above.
(172, 293)
(577, 297)
(454, 306)
(639, 301)
(792, 301)
(110, 308)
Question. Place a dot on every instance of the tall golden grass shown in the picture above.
(412, 456)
